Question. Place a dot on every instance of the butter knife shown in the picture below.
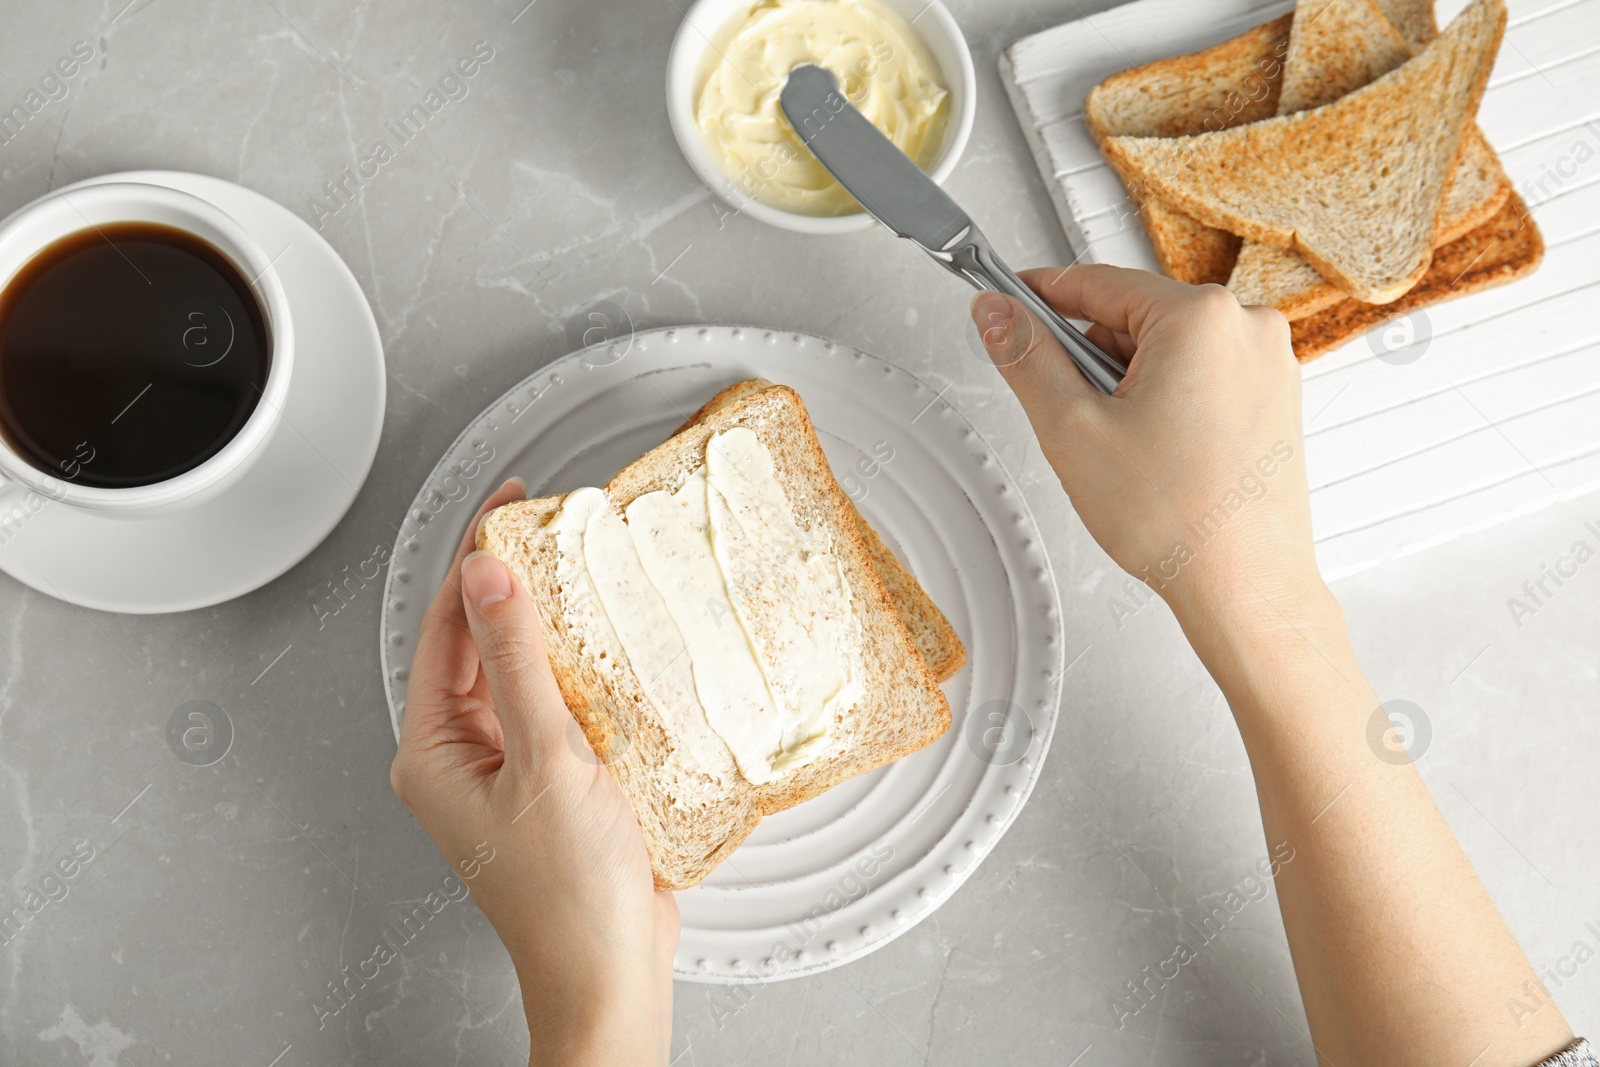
(898, 194)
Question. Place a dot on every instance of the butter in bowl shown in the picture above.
(905, 65)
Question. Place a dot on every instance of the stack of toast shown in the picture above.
(1325, 164)
(692, 820)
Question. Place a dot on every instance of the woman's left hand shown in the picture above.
(497, 771)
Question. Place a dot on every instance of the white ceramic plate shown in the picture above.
(840, 875)
(292, 495)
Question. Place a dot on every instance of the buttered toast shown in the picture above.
(698, 793)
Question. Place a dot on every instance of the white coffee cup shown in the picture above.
(31, 229)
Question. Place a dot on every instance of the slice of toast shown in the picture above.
(936, 639)
(1336, 47)
(1480, 179)
(1413, 18)
(1362, 179)
(693, 819)
(1239, 81)
(1501, 250)
(1234, 82)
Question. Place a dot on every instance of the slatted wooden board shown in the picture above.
(1500, 415)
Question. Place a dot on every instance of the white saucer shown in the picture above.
(881, 852)
(293, 494)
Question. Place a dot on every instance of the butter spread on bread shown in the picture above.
(936, 639)
(737, 621)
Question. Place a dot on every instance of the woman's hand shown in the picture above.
(494, 767)
(1191, 476)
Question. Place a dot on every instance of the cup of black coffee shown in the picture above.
(145, 350)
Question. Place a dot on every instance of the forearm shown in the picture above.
(1400, 954)
(590, 996)
(580, 1014)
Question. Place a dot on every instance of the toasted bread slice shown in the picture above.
(1336, 47)
(1501, 250)
(692, 819)
(1362, 178)
(1234, 82)
(1414, 19)
(936, 639)
(1239, 81)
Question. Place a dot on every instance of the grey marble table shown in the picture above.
(219, 902)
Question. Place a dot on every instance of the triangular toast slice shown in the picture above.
(1188, 93)
(1230, 83)
(1413, 18)
(1503, 249)
(935, 638)
(693, 818)
(1336, 47)
(1238, 81)
(1362, 178)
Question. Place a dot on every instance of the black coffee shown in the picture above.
(129, 354)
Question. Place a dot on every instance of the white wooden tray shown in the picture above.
(1500, 415)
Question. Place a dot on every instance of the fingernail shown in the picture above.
(993, 313)
(516, 480)
(485, 580)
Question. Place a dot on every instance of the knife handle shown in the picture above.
(972, 257)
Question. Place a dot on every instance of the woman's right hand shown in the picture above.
(1191, 475)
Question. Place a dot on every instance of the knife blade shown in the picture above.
(895, 191)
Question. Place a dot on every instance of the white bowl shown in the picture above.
(930, 21)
